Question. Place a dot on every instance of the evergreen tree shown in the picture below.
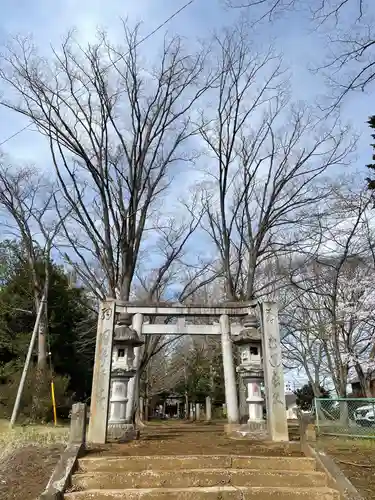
(203, 377)
(306, 396)
(69, 318)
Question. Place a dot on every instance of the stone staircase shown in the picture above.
(223, 477)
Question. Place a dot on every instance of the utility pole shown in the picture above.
(27, 362)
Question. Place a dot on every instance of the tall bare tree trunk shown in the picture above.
(364, 381)
(41, 384)
(147, 402)
(42, 343)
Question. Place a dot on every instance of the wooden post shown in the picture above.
(27, 363)
(77, 433)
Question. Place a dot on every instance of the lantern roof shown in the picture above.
(125, 334)
(250, 332)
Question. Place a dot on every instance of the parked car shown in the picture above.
(365, 415)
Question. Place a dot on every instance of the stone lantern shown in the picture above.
(125, 339)
(251, 369)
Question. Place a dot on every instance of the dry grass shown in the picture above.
(356, 458)
(27, 457)
(11, 440)
(342, 443)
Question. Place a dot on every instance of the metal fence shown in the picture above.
(353, 417)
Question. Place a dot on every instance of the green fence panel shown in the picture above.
(352, 417)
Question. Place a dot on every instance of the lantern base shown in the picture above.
(121, 432)
(254, 431)
(255, 409)
(257, 430)
(257, 425)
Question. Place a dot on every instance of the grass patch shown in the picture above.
(28, 454)
(340, 431)
(356, 458)
(20, 436)
(346, 443)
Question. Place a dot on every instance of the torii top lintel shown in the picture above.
(232, 309)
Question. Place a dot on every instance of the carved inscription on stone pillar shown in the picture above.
(102, 373)
(274, 360)
(274, 377)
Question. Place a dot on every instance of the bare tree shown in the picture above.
(266, 178)
(164, 372)
(264, 9)
(195, 278)
(349, 28)
(116, 126)
(27, 201)
(27, 208)
(330, 317)
(350, 63)
(304, 324)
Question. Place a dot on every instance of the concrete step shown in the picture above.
(112, 464)
(212, 493)
(197, 478)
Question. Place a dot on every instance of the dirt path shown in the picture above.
(181, 438)
(25, 473)
(356, 458)
(28, 455)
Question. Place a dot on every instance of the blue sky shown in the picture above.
(49, 20)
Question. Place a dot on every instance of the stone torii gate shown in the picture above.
(117, 355)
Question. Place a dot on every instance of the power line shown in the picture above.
(16, 133)
(158, 28)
